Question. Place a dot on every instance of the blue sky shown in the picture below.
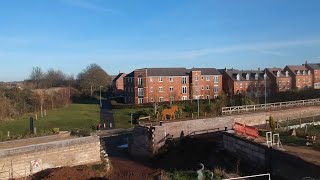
(125, 35)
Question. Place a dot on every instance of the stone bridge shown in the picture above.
(147, 140)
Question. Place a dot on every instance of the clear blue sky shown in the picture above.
(124, 35)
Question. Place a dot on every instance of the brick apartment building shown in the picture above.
(205, 83)
(117, 84)
(302, 78)
(171, 84)
(280, 80)
(315, 71)
(248, 82)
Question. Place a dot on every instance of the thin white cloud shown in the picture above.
(89, 5)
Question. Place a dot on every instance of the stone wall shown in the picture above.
(246, 149)
(279, 163)
(16, 162)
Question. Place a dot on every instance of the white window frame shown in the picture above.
(208, 87)
(140, 91)
(184, 98)
(140, 81)
(171, 89)
(160, 79)
(151, 89)
(207, 78)
(184, 88)
(216, 89)
(151, 79)
(196, 78)
(160, 99)
(216, 79)
(184, 80)
(171, 79)
(160, 89)
(140, 100)
(202, 87)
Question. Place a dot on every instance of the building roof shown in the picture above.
(207, 71)
(274, 72)
(296, 69)
(314, 66)
(130, 74)
(119, 76)
(167, 71)
(243, 75)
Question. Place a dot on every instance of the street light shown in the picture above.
(100, 97)
(265, 88)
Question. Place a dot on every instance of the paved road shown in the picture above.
(106, 115)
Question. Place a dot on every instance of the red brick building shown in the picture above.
(118, 85)
(205, 83)
(302, 78)
(248, 82)
(315, 71)
(280, 80)
(171, 84)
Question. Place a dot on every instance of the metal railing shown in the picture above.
(253, 176)
(269, 106)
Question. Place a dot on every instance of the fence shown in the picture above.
(246, 130)
(269, 106)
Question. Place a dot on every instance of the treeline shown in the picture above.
(45, 90)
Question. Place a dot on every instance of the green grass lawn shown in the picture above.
(81, 116)
(122, 117)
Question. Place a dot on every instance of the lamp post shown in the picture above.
(265, 88)
(100, 97)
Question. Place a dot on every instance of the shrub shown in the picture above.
(55, 130)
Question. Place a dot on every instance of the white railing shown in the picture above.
(269, 106)
(253, 176)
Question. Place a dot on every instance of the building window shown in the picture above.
(140, 91)
(208, 97)
(171, 88)
(160, 79)
(170, 79)
(140, 100)
(151, 89)
(216, 79)
(184, 90)
(216, 89)
(151, 80)
(184, 80)
(202, 77)
(160, 89)
(215, 96)
(140, 83)
(208, 87)
(160, 99)
(184, 98)
(208, 78)
(202, 87)
(131, 79)
(196, 78)
(151, 100)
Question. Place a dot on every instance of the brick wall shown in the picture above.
(16, 162)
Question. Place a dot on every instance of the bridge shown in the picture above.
(147, 140)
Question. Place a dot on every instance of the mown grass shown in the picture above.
(75, 116)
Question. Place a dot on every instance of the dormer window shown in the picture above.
(304, 72)
(278, 74)
(309, 72)
(298, 72)
(247, 77)
(238, 77)
(287, 73)
(256, 76)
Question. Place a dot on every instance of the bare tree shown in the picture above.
(55, 78)
(91, 78)
(37, 76)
